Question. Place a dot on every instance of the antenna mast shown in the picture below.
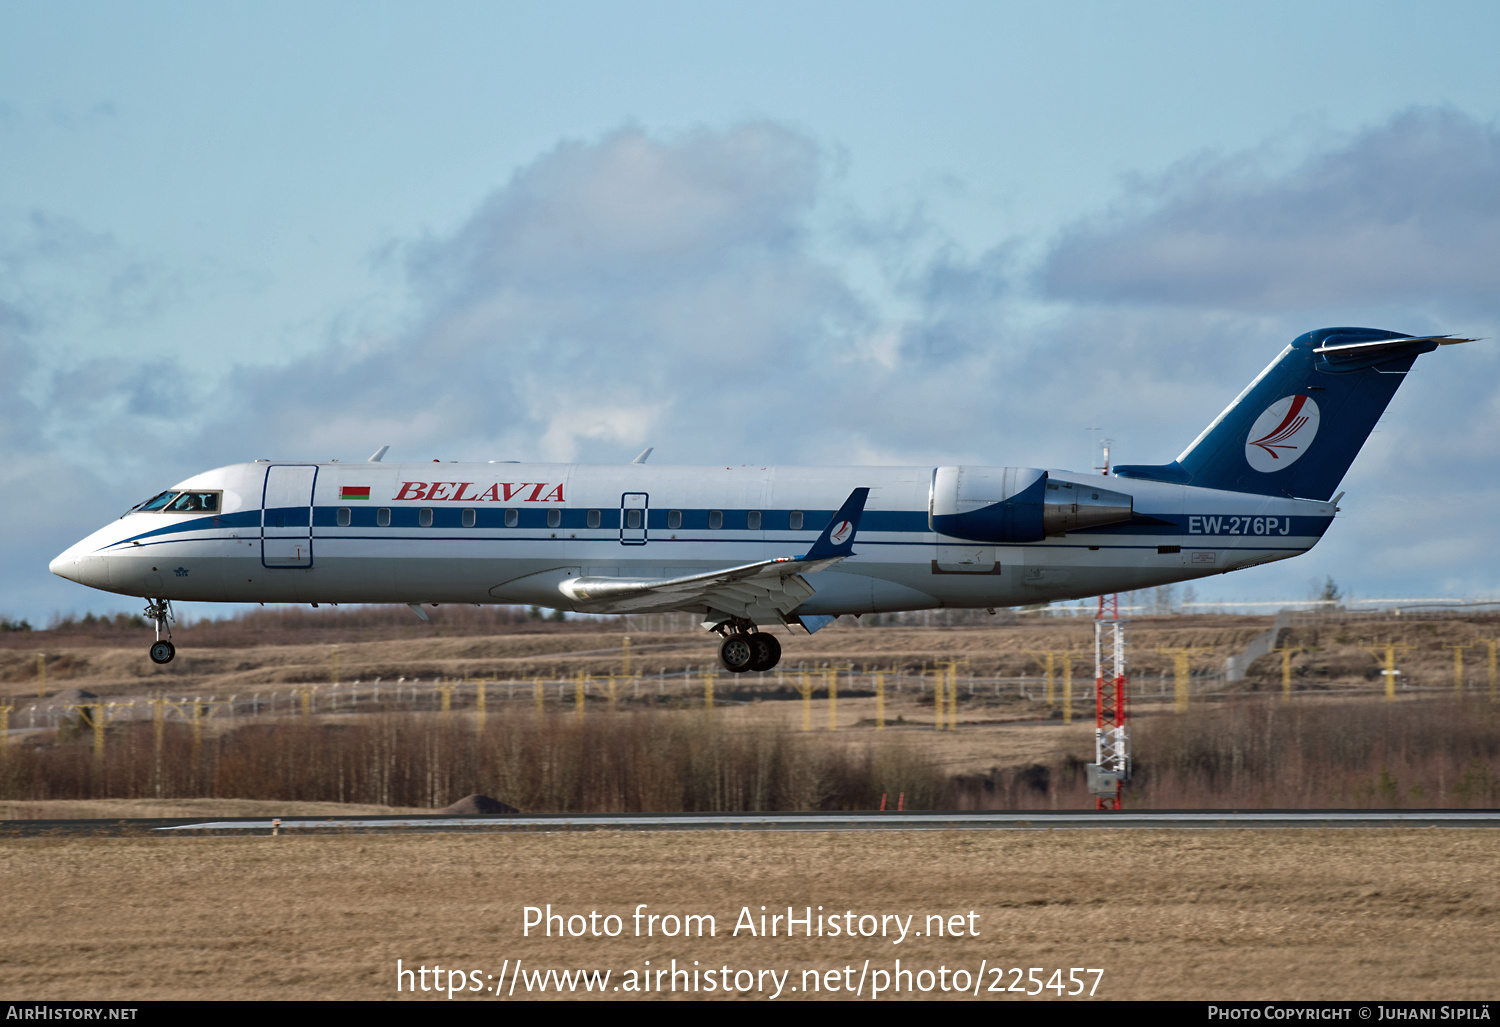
(1111, 767)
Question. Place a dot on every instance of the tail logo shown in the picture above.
(840, 533)
(1280, 436)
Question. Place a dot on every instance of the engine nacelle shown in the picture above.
(1018, 504)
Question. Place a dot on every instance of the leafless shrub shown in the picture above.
(1269, 754)
(555, 763)
(1248, 754)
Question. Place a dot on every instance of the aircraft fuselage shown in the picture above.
(515, 533)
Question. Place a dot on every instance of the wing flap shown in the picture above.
(764, 586)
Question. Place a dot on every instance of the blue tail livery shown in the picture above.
(1298, 426)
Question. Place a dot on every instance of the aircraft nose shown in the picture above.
(64, 566)
(84, 568)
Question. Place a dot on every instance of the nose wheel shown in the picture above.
(160, 612)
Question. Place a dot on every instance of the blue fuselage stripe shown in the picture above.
(1212, 529)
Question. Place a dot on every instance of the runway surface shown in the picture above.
(1029, 820)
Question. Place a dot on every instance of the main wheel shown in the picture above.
(767, 651)
(736, 653)
(162, 652)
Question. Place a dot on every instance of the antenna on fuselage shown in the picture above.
(1104, 446)
(644, 454)
(382, 451)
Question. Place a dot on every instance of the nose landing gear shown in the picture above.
(745, 649)
(160, 611)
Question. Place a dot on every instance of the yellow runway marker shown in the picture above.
(1458, 667)
(1181, 663)
(1286, 669)
(1388, 658)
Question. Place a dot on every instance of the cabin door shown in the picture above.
(286, 516)
(633, 511)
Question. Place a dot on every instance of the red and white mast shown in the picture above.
(1111, 767)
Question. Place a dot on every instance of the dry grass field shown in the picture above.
(220, 659)
(1362, 915)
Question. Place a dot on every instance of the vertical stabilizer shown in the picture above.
(1298, 426)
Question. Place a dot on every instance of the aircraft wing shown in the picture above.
(764, 591)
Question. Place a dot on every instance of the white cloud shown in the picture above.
(1407, 212)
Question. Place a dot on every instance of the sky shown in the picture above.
(793, 233)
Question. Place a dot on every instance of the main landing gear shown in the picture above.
(745, 649)
(160, 611)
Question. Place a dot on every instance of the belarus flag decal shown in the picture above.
(354, 492)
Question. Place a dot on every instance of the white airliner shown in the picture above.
(752, 547)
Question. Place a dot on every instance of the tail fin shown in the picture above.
(1298, 426)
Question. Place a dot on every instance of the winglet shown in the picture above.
(378, 455)
(645, 455)
(837, 540)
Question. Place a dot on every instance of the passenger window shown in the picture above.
(554, 518)
(794, 520)
(632, 518)
(383, 517)
(281, 520)
(674, 518)
(593, 519)
(344, 517)
(469, 518)
(424, 517)
(752, 520)
(512, 518)
(716, 519)
(158, 502)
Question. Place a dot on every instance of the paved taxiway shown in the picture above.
(1029, 820)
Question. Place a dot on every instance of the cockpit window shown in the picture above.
(195, 502)
(157, 502)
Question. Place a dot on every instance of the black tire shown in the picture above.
(767, 651)
(162, 652)
(736, 653)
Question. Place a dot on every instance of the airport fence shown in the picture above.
(946, 695)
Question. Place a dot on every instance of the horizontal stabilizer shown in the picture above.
(1388, 344)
